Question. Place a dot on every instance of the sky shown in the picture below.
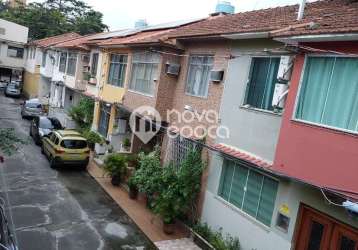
(120, 14)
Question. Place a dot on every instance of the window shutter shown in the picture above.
(267, 201)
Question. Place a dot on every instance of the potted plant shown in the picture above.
(133, 189)
(126, 144)
(115, 166)
(92, 138)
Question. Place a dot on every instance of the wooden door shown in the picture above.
(315, 231)
(322, 232)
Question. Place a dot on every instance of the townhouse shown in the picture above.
(13, 38)
(39, 66)
(287, 173)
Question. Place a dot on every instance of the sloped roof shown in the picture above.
(53, 40)
(329, 16)
(77, 43)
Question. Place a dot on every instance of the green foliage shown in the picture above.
(179, 187)
(9, 141)
(216, 239)
(126, 143)
(131, 182)
(82, 113)
(147, 177)
(92, 137)
(115, 164)
(54, 17)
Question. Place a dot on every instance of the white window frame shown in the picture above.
(72, 56)
(188, 71)
(120, 63)
(319, 125)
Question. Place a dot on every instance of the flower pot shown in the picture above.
(169, 228)
(116, 180)
(133, 193)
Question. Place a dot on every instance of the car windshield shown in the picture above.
(48, 123)
(74, 144)
(12, 86)
(33, 105)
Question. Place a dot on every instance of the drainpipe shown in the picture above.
(301, 10)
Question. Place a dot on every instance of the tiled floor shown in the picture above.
(149, 223)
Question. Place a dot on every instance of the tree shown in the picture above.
(54, 17)
(9, 141)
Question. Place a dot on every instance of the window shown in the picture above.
(199, 75)
(94, 64)
(329, 92)
(15, 52)
(44, 56)
(117, 70)
(263, 77)
(248, 190)
(144, 72)
(74, 144)
(71, 65)
(63, 60)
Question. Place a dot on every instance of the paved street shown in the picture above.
(58, 209)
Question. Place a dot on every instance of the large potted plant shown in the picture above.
(92, 138)
(115, 166)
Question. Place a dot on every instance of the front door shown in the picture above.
(321, 232)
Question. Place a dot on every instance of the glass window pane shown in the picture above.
(263, 78)
(347, 244)
(267, 201)
(252, 195)
(226, 179)
(198, 75)
(238, 186)
(315, 238)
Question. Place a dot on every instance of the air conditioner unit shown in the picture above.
(216, 76)
(173, 69)
(279, 94)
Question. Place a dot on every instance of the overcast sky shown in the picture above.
(123, 13)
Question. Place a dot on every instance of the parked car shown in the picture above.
(3, 84)
(66, 147)
(42, 126)
(31, 108)
(13, 90)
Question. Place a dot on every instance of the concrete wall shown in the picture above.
(47, 71)
(33, 63)
(220, 214)
(13, 32)
(11, 62)
(250, 130)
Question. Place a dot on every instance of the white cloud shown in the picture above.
(123, 13)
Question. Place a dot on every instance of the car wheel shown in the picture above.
(52, 162)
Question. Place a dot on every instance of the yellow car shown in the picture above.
(66, 147)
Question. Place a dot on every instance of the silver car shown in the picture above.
(13, 90)
(31, 108)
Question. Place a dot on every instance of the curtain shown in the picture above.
(329, 92)
(198, 75)
(263, 78)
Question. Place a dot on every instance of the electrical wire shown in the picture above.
(331, 202)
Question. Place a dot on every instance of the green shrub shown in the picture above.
(216, 239)
(126, 143)
(115, 164)
(92, 137)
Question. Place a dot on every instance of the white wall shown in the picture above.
(13, 32)
(31, 63)
(11, 62)
(47, 70)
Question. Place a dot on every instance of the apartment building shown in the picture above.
(13, 38)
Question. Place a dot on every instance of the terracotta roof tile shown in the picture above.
(329, 16)
(53, 40)
(78, 43)
(240, 154)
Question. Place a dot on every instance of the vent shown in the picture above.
(216, 76)
(173, 69)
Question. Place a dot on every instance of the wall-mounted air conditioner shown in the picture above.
(216, 76)
(279, 94)
(173, 69)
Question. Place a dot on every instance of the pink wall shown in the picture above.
(317, 155)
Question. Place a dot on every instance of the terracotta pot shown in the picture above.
(169, 228)
(116, 180)
(133, 193)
